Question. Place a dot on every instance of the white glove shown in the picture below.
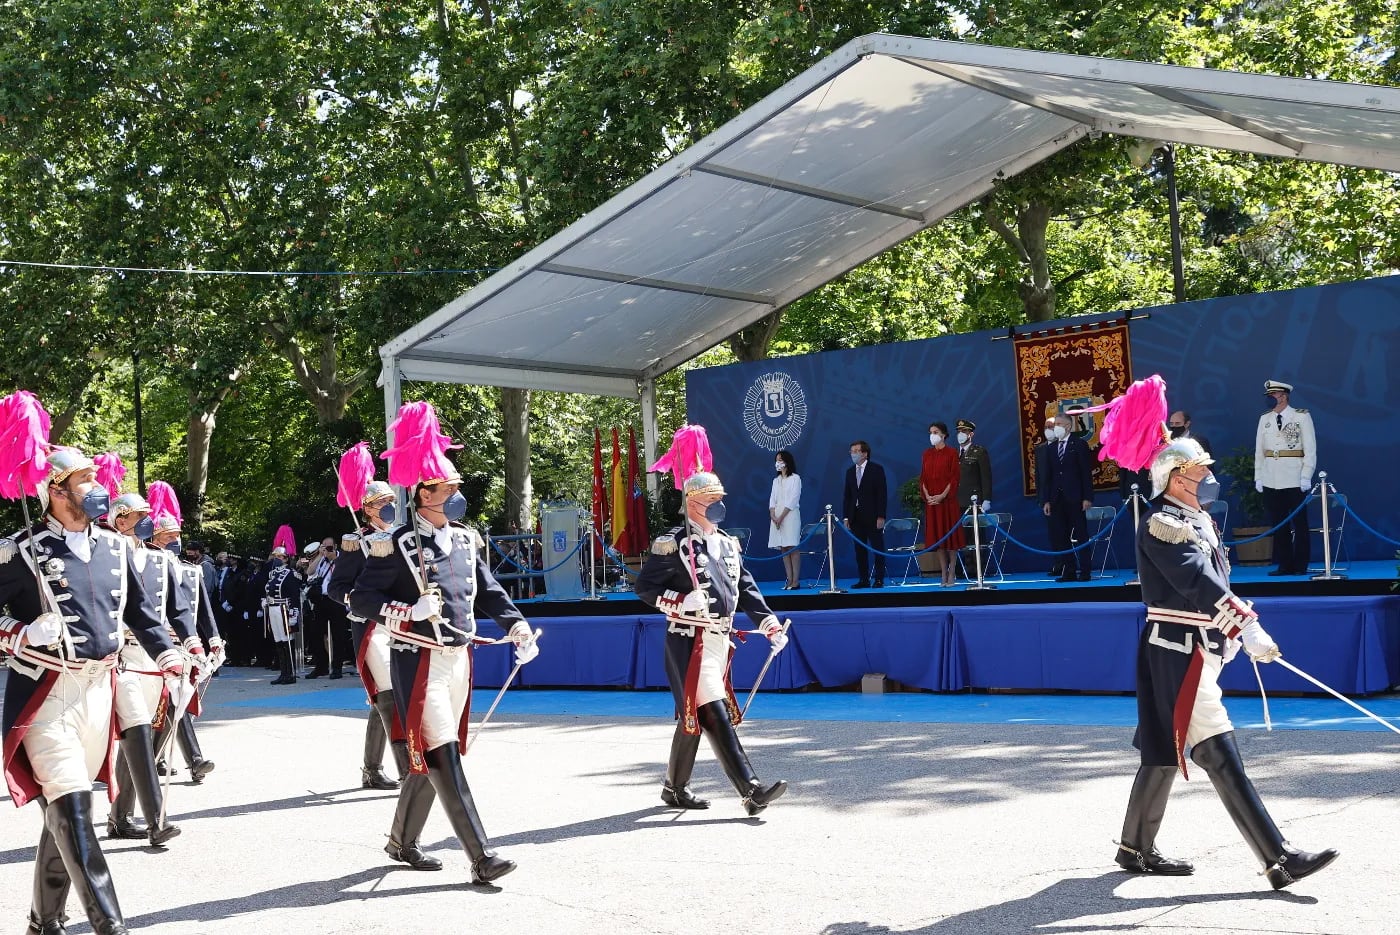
(774, 631)
(1259, 486)
(984, 507)
(696, 600)
(1304, 486)
(45, 630)
(217, 654)
(1260, 646)
(526, 646)
(245, 615)
(228, 609)
(427, 606)
(1231, 649)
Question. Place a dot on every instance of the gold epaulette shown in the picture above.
(381, 545)
(664, 545)
(350, 542)
(1169, 528)
(1303, 411)
(8, 550)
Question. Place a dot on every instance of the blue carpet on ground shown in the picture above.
(1062, 710)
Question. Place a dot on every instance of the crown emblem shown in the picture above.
(1076, 389)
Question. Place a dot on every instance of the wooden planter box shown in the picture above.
(1253, 553)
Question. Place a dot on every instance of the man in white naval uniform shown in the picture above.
(1285, 456)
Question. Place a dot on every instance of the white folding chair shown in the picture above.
(1097, 518)
(817, 546)
(991, 533)
(897, 528)
(1337, 520)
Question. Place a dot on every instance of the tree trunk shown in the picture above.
(1036, 289)
(197, 436)
(323, 385)
(63, 422)
(515, 432)
(753, 342)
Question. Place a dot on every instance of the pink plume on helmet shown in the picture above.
(284, 539)
(110, 472)
(353, 476)
(164, 505)
(24, 445)
(420, 449)
(1135, 428)
(690, 452)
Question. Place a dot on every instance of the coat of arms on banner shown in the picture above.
(1070, 367)
(775, 411)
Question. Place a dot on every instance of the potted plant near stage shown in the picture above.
(913, 502)
(1239, 467)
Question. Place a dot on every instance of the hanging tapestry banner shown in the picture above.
(1070, 368)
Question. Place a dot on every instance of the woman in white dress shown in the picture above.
(784, 520)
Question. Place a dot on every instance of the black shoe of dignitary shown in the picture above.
(1283, 863)
(1137, 848)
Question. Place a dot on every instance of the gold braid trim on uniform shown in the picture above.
(663, 545)
(8, 550)
(350, 542)
(1170, 529)
(381, 545)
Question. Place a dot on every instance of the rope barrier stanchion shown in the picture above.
(831, 554)
(592, 560)
(981, 583)
(1137, 521)
(1327, 573)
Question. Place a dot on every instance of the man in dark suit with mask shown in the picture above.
(864, 505)
(1067, 492)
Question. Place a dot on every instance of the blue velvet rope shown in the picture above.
(1283, 522)
(1367, 526)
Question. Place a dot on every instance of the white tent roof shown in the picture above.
(880, 140)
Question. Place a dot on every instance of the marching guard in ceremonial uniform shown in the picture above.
(425, 581)
(1195, 624)
(63, 629)
(140, 685)
(281, 606)
(696, 577)
(371, 642)
(165, 510)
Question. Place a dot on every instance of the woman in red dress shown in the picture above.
(938, 482)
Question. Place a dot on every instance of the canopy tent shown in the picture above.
(875, 143)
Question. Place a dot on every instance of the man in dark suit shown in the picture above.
(1067, 492)
(1180, 426)
(863, 506)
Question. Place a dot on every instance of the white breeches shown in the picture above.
(1208, 715)
(70, 734)
(377, 660)
(713, 661)
(445, 697)
(137, 695)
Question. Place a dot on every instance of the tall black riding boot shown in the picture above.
(189, 746)
(119, 818)
(1283, 863)
(445, 772)
(69, 819)
(46, 916)
(284, 659)
(416, 797)
(676, 791)
(137, 778)
(376, 734)
(1147, 803)
(714, 721)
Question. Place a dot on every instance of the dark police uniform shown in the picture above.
(1191, 614)
(58, 723)
(698, 650)
(431, 671)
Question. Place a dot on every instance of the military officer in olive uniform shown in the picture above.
(1285, 456)
(974, 469)
(696, 577)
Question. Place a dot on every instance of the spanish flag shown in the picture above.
(619, 494)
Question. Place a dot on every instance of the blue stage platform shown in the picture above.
(1072, 638)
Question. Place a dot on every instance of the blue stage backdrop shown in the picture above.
(1338, 345)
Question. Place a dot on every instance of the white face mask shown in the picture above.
(1060, 431)
(962, 438)
(778, 466)
(934, 438)
(1049, 435)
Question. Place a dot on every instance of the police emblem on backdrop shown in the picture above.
(775, 411)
